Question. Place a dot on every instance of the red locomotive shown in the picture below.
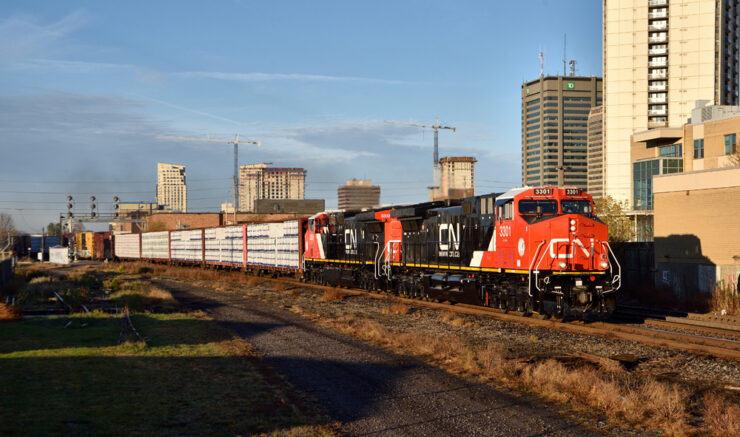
(530, 249)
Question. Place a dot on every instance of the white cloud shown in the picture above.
(264, 77)
(22, 36)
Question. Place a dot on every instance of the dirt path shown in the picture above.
(369, 390)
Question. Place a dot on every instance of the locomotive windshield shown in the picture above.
(543, 207)
(576, 207)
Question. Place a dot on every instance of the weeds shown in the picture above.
(9, 312)
(725, 299)
(397, 308)
(452, 319)
(719, 417)
(332, 294)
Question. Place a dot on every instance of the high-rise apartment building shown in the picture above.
(554, 129)
(172, 191)
(660, 57)
(457, 178)
(358, 194)
(595, 154)
(257, 181)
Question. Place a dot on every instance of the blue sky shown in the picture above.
(88, 87)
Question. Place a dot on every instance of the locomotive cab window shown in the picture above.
(540, 207)
(576, 207)
(505, 211)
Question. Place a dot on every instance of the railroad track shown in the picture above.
(710, 325)
(708, 340)
(700, 344)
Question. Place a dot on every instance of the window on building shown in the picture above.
(671, 151)
(699, 149)
(730, 144)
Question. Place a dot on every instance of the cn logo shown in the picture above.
(350, 239)
(453, 234)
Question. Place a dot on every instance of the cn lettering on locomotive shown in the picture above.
(534, 250)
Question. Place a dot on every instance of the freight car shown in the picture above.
(534, 250)
(530, 249)
(258, 248)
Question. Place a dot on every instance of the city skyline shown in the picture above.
(89, 87)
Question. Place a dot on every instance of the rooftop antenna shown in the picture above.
(564, 61)
(542, 63)
(572, 64)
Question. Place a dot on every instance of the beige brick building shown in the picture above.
(357, 194)
(172, 190)
(696, 226)
(457, 174)
(258, 181)
(595, 153)
(660, 57)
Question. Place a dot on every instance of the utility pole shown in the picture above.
(236, 143)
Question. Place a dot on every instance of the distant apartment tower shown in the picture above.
(554, 129)
(595, 185)
(172, 191)
(660, 57)
(258, 181)
(457, 178)
(358, 194)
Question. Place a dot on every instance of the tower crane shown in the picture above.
(436, 127)
(235, 142)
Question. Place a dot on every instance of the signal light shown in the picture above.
(563, 264)
(592, 278)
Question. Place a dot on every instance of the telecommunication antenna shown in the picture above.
(542, 63)
(564, 57)
(572, 64)
(235, 142)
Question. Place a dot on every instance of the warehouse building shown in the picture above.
(357, 194)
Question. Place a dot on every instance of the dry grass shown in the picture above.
(332, 294)
(725, 299)
(397, 308)
(719, 417)
(641, 401)
(9, 312)
(453, 319)
(278, 286)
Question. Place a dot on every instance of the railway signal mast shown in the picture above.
(236, 143)
(435, 127)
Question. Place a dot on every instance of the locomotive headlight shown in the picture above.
(572, 228)
(572, 222)
(604, 264)
(562, 264)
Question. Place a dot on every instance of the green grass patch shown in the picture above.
(191, 377)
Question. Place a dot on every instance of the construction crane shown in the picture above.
(235, 142)
(436, 127)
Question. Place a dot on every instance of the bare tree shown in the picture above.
(7, 231)
(613, 213)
